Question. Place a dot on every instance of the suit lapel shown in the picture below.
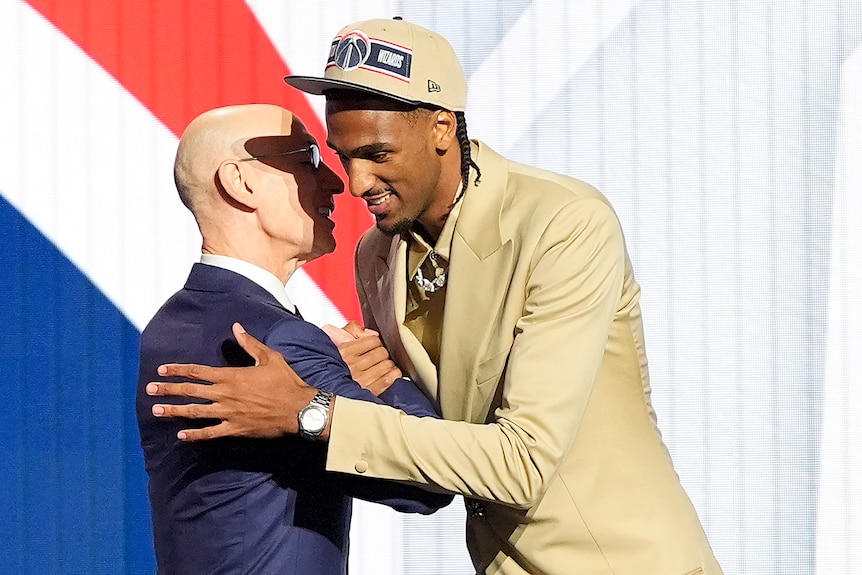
(479, 275)
(473, 302)
(390, 308)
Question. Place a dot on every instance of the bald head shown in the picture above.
(252, 177)
(218, 135)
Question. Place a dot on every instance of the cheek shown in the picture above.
(285, 223)
(412, 174)
(424, 177)
(285, 217)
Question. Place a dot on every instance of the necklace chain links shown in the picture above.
(439, 280)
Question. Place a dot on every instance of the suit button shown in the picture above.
(475, 509)
(361, 466)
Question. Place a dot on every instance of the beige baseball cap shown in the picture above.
(395, 59)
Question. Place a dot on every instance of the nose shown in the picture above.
(329, 180)
(360, 179)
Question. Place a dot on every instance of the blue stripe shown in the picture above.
(72, 484)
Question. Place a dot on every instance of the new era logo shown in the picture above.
(433, 86)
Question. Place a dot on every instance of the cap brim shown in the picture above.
(319, 87)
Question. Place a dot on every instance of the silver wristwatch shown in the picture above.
(314, 416)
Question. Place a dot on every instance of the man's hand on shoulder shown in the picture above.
(259, 401)
(363, 352)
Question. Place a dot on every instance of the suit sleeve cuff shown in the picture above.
(356, 436)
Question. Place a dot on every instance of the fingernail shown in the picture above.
(241, 329)
(158, 410)
(181, 435)
(162, 370)
(152, 389)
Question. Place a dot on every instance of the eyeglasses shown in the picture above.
(313, 151)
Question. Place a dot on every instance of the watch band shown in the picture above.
(319, 407)
(323, 399)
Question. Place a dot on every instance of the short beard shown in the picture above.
(398, 228)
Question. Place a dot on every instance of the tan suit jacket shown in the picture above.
(543, 379)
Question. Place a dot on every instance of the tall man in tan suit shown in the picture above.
(506, 293)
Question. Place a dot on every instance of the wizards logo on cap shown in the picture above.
(355, 50)
(351, 51)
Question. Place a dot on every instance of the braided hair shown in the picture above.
(466, 158)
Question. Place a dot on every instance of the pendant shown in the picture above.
(439, 280)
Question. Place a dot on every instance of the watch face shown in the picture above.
(313, 420)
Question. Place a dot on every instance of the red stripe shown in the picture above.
(182, 57)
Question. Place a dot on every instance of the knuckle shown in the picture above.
(382, 368)
(374, 355)
(383, 354)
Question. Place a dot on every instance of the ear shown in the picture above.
(445, 127)
(234, 186)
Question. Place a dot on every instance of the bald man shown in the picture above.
(262, 198)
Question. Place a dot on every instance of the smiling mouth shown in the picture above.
(376, 201)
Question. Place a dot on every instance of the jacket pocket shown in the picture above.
(491, 367)
(489, 379)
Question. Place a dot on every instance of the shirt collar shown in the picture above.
(419, 248)
(253, 273)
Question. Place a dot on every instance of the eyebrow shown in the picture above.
(363, 150)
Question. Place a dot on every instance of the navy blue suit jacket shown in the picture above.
(250, 505)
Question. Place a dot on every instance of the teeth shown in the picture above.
(378, 201)
(325, 211)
